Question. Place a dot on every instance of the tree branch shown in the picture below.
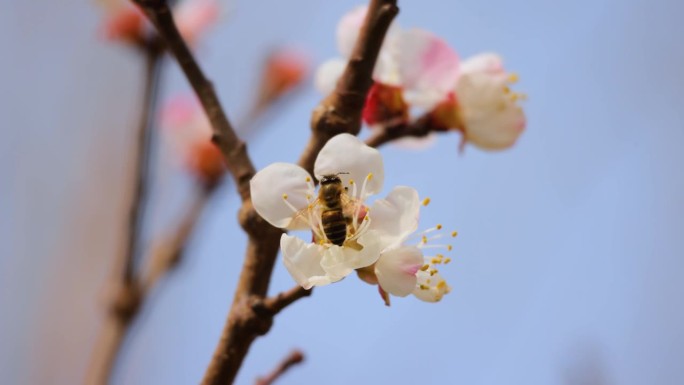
(341, 111)
(419, 128)
(338, 113)
(295, 357)
(124, 301)
(233, 149)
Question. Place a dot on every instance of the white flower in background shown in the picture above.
(491, 117)
(284, 195)
(414, 68)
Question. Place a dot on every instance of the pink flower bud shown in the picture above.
(385, 106)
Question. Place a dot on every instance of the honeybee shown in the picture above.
(331, 197)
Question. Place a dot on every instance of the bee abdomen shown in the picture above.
(334, 226)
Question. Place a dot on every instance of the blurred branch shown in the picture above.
(233, 149)
(295, 357)
(338, 113)
(124, 302)
(419, 128)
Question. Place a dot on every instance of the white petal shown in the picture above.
(413, 143)
(328, 74)
(338, 261)
(428, 66)
(395, 217)
(268, 187)
(348, 29)
(348, 154)
(432, 287)
(488, 62)
(303, 261)
(497, 131)
(396, 270)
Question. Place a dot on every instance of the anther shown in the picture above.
(426, 201)
(447, 260)
(454, 234)
(284, 196)
(425, 267)
(439, 227)
(513, 77)
(423, 287)
(308, 179)
(441, 285)
(449, 247)
(369, 176)
(351, 181)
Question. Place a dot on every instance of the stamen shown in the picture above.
(447, 260)
(424, 287)
(449, 247)
(441, 285)
(425, 267)
(513, 77)
(454, 234)
(426, 201)
(439, 227)
(363, 186)
(308, 179)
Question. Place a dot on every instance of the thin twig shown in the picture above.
(123, 302)
(294, 358)
(419, 128)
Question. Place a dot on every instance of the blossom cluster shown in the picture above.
(417, 69)
(377, 240)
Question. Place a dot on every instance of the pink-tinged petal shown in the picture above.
(489, 63)
(195, 17)
(395, 217)
(348, 29)
(346, 153)
(302, 261)
(279, 191)
(498, 130)
(328, 74)
(396, 270)
(429, 67)
(430, 287)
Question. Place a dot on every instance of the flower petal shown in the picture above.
(395, 217)
(268, 188)
(348, 154)
(396, 270)
(497, 131)
(303, 261)
(195, 17)
(489, 63)
(430, 288)
(429, 67)
(338, 261)
(348, 29)
(328, 74)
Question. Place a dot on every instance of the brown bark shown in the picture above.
(294, 358)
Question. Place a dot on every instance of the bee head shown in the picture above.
(332, 178)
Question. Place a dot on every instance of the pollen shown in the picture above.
(351, 181)
(424, 287)
(454, 234)
(449, 247)
(513, 77)
(425, 267)
(447, 260)
(308, 179)
(439, 227)
(424, 239)
(436, 260)
(284, 196)
(308, 197)
(370, 176)
(433, 272)
(441, 285)
(426, 201)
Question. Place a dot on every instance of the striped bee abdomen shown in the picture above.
(334, 226)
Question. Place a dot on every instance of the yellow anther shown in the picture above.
(308, 179)
(425, 267)
(513, 77)
(433, 272)
(449, 247)
(284, 196)
(426, 201)
(439, 227)
(454, 234)
(441, 285)
(369, 176)
(308, 196)
(424, 239)
(351, 181)
(506, 90)
(427, 281)
(423, 287)
(436, 260)
(514, 97)
(447, 260)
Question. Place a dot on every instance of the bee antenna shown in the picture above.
(342, 173)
